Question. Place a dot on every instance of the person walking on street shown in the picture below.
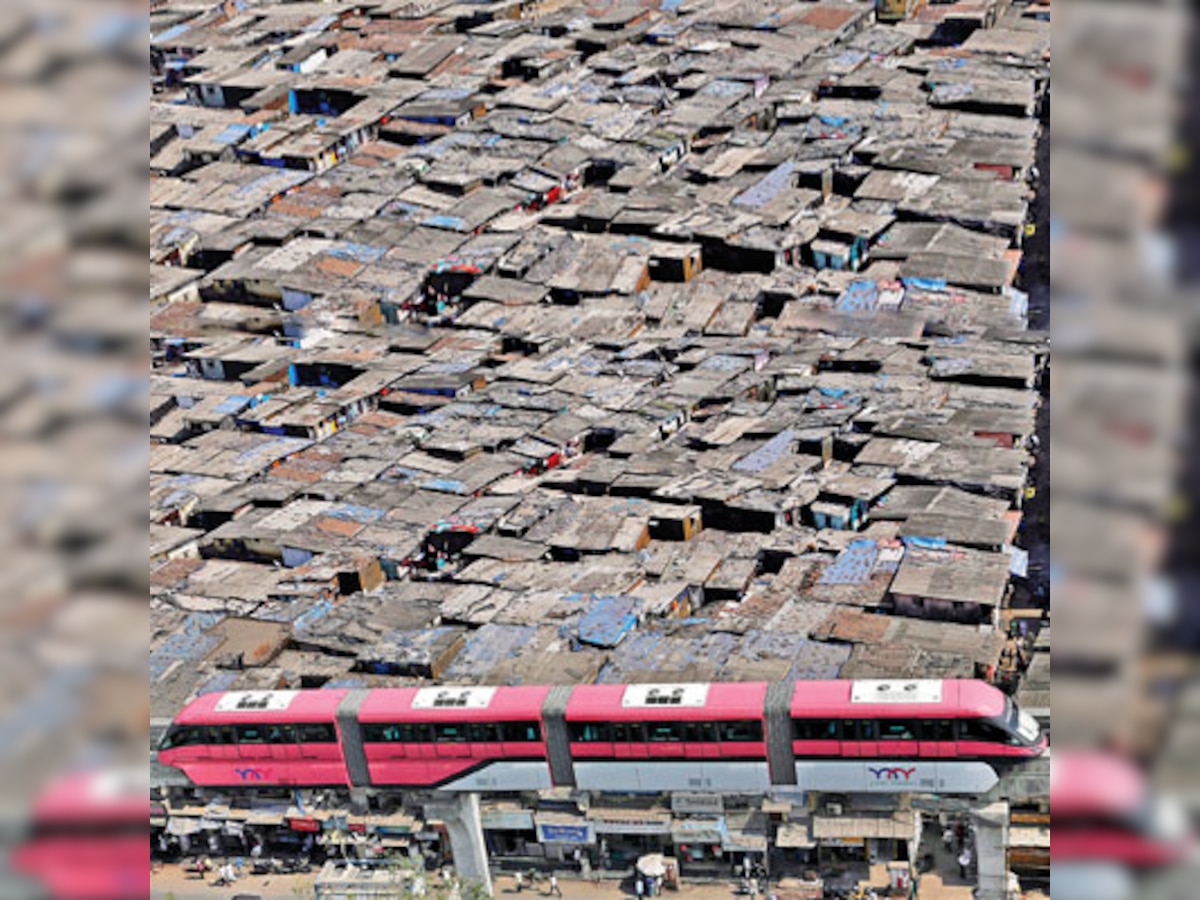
(554, 888)
(948, 838)
(520, 882)
(964, 862)
(639, 887)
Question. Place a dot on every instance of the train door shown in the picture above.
(937, 738)
(317, 742)
(700, 741)
(623, 737)
(281, 741)
(485, 740)
(665, 739)
(222, 743)
(638, 749)
(860, 738)
(450, 740)
(898, 737)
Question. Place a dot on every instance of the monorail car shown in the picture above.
(888, 736)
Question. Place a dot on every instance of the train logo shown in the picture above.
(249, 774)
(893, 773)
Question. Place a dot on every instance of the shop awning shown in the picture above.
(899, 825)
(794, 835)
(698, 831)
(181, 825)
(744, 842)
(507, 819)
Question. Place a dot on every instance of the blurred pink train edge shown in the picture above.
(89, 837)
(1108, 827)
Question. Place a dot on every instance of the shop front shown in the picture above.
(880, 836)
(699, 846)
(561, 835)
(745, 845)
(510, 834)
(795, 849)
(626, 835)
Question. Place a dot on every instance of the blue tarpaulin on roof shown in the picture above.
(925, 284)
(767, 188)
(608, 619)
(860, 296)
(232, 405)
(191, 642)
(768, 454)
(363, 253)
(233, 134)
(853, 565)
(924, 543)
(356, 513)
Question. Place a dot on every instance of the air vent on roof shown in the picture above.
(665, 695)
(917, 691)
(453, 698)
(255, 701)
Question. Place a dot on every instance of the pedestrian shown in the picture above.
(578, 857)
(554, 888)
(964, 861)
(639, 887)
(520, 883)
(948, 838)
(960, 835)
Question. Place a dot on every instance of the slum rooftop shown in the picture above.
(522, 342)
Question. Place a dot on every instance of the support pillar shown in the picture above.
(990, 824)
(460, 814)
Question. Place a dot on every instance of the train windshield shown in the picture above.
(1021, 723)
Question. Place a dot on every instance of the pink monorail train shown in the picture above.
(888, 736)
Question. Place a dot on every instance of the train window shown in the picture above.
(977, 730)
(937, 730)
(859, 729)
(741, 732)
(700, 732)
(280, 734)
(663, 732)
(251, 734)
(520, 732)
(451, 734)
(816, 729)
(484, 733)
(221, 734)
(590, 732)
(628, 733)
(184, 736)
(897, 730)
(376, 733)
(406, 733)
(316, 733)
